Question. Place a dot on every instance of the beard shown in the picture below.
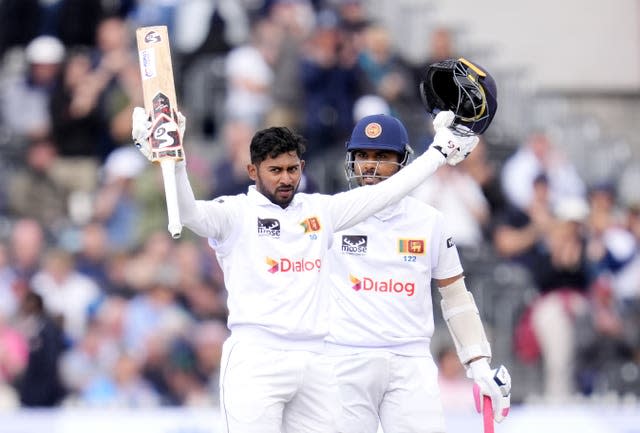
(282, 195)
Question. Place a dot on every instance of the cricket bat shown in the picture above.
(487, 414)
(486, 409)
(160, 102)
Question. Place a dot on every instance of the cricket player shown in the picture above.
(271, 244)
(381, 316)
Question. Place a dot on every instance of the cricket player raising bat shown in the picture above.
(271, 243)
(380, 274)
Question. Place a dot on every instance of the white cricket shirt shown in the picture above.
(380, 273)
(272, 257)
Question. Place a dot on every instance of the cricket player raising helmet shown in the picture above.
(271, 244)
(381, 315)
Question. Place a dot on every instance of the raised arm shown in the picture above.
(211, 219)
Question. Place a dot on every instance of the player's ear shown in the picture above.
(252, 170)
(301, 164)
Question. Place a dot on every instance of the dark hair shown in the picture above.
(274, 141)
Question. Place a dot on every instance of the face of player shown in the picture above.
(278, 178)
(374, 166)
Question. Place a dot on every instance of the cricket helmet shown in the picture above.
(464, 88)
(377, 132)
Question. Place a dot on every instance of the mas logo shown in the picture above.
(286, 265)
(367, 284)
(269, 227)
(311, 225)
(414, 247)
(354, 245)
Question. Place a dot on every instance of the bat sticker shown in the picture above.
(147, 64)
(152, 37)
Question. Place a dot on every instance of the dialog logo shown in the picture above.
(391, 286)
(269, 227)
(354, 245)
(288, 265)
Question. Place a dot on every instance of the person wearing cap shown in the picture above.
(25, 108)
(271, 244)
(381, 315)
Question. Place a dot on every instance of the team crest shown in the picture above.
(373, 130)
(414, 247)
(311, 225)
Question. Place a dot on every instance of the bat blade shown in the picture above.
(160, 101)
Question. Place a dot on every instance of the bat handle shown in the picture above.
(487, 414)
(171, 194)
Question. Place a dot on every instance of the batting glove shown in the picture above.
(494, 383)
(454, 147)
(141, 130)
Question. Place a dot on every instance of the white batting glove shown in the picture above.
(443, 119)
(141, 130)
(454, 147)
(493, 383)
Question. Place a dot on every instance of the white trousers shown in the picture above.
(265, 390)
(400, 392)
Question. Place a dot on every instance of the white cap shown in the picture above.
(124, 162)
(368, 105)
(572, 209)
(45, 50)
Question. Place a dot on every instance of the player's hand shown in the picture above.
(494, 383)
(141, 130)
(454, 147)
(142, 126)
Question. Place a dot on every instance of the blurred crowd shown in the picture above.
(99, 306)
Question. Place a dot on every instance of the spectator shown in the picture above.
(40, 385)
(115, 205)
(249, 74)
(562, 274)
(68, 295)
(26, 248)
(77, 123)
(34, 191)
(539, 155)
(383, 72)
(518, 232)
(91, 358)
(117, 64)
(456, 194)
(25, 97)
(123, 387)
(330, 86)
(207, 340)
